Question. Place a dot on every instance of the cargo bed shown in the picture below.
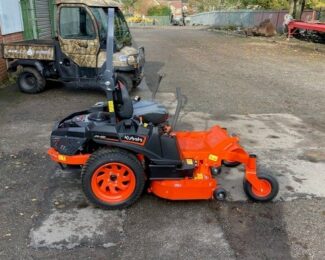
(31, 50)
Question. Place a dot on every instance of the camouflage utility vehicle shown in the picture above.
(77, 55)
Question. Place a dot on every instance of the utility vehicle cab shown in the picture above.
(77, 54)
(82, 30)
(82, 33)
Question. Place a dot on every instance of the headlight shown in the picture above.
(132, 60)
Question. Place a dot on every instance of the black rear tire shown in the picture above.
(107, 156)
(254, 197)
(126, 80)
(30, 81)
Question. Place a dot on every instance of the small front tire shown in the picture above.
(270, 189)
(220, 194)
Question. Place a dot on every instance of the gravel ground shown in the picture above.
(44, 214)
(236, 75)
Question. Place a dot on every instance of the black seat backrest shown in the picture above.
(124, 103)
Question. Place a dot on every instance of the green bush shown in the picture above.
(159, 11)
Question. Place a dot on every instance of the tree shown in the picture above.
(159, 10)
(208, 5)
(128, 5)
(296, 8)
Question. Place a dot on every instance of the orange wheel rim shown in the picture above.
(113, 182)
(265, 189)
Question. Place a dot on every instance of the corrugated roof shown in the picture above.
(101, 3)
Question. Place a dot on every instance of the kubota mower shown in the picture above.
(121, 145)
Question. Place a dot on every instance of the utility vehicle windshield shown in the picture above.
(122, 32)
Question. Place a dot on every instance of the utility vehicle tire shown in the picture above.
(126, 80)
(270, 189)
(112, 179)
(136, 83)
(31, 81)
(230, 164)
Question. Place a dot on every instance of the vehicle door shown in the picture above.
(78, 35)
(122, 35)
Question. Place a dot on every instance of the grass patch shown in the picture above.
(10, 81)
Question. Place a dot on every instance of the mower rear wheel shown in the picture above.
(270, 189)
(112, 179)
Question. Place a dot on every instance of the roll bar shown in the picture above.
(108, 80)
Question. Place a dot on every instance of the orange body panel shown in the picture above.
(79, 159)
(210, 146)
(208, 149)
(205, 148)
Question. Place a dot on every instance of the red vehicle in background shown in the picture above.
(305, 28)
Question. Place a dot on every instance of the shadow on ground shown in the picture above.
(152, 68)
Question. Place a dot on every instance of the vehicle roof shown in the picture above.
(101, 3)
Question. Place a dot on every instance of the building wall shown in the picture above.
(43, 19)
(11, 28)
(5, 39)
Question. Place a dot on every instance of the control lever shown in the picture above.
(155, 90)
(180, 101)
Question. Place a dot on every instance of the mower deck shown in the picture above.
(207, 150)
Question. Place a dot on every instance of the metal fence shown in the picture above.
(243, 18)
(322, 15)
(153, 21)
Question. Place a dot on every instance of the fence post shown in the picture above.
(262, 15)
(277, 20)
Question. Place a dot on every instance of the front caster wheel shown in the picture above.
(112, 179)
(220, 194)
(269, 190)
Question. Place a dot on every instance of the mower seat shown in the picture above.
(150, 112)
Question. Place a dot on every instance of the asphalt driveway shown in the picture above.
(272, 94)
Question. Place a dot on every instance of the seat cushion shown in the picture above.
(150, 111)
